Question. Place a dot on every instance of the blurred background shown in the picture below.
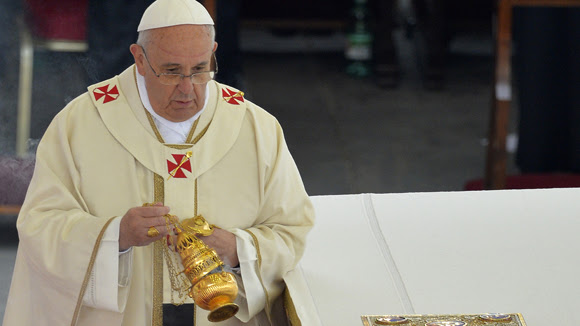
(379, 96)
(375, 96)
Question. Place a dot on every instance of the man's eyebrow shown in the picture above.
(203, 63)
(170, 64)
(173, 65)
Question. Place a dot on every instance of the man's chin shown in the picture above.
(181, 114)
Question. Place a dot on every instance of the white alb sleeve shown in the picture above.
(110, 277)
(251, 297)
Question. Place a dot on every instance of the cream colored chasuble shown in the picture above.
(100, 156)
(174, 173)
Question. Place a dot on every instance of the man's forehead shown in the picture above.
(183, 52)
(183, 41)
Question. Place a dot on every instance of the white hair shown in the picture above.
(145, 36)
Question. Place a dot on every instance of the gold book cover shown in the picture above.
(487, 319)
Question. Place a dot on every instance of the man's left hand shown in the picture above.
(224, 243)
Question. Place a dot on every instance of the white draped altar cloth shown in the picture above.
(508, 251)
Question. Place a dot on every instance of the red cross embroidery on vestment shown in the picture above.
(104, 91)
(233, 97)
(182, 162)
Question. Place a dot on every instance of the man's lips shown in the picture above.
(183, 103)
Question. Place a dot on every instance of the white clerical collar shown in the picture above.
(172, 132)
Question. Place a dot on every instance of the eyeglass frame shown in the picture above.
(182, 76)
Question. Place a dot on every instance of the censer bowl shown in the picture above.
(216, 292)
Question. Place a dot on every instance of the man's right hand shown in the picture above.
(137, 221)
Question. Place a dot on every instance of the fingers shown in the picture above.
(224, 243)
(155, 215)
(152, 211)
(171, 242)
(136, 226)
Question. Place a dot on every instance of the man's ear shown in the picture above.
(139, 56)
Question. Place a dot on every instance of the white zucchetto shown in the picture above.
(165, 13)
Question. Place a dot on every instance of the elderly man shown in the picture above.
(161, 132)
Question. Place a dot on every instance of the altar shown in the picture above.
(472, 252)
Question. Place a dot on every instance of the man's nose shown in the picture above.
(185, 84)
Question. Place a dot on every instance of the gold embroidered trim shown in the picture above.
(198, 137)
(152, 123)
(192, 131)
(149, 117)
(88, 272)
(157, 314)
(178, 146)
(195, 198)
(188, 141)
(290, 309)
(257, 244)
(158, 134)
(195, 214)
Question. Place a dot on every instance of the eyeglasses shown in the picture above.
(174, 79)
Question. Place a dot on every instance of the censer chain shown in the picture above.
(179, 282)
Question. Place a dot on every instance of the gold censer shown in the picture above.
(212, 288)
